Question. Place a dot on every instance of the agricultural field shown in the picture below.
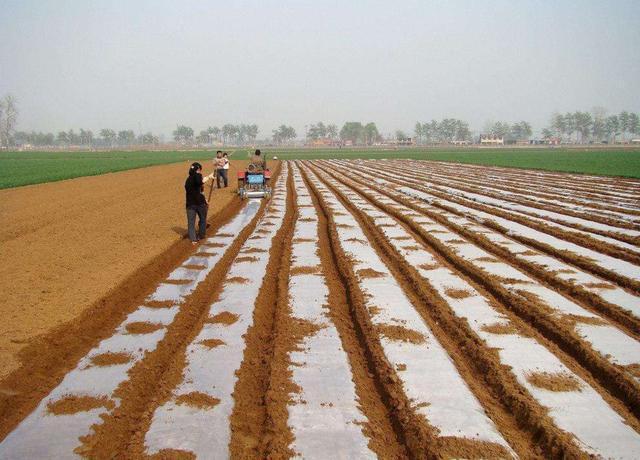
(370, 309)
(26, 168)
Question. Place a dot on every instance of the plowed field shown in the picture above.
(371, 308)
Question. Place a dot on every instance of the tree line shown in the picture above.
(592, 126)
(575, 127)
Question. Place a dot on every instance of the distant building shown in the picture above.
(491, 139)
(460, 142)
(634, 141)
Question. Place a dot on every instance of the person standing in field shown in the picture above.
(222, 168)
(196, 203)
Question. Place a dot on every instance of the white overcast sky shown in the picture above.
(149, 65)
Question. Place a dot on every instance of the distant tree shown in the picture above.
(74, 139)
(634, 124)
(463, 133)
(203, 137)
(8, 119)
(547, 133)
(599, 125)
(229, 133)
(149, 139)
(418, 131)
(62, 138)
(283, 134)
(400, 135)
(127, 137)
(500, 129)
(370, 133)
(623, 118)
(612, 127)
(558, 124)
(332, 131)
(86, 137)
(213, 132)
(352, 131)
(108, 135)
(583, 124)
(252, 132)
(183, 134)
(521, 131)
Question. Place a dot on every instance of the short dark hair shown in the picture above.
(225, 154)
(219, 151)
(258, 152)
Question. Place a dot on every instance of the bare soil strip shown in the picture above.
(609, 376)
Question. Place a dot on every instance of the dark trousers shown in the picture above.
(201, 211)
(222, 173)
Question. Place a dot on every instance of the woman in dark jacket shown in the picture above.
(196, 203)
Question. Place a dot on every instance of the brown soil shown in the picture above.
(152, 380)
(194, 267)
(500, 328)
(110, 359)
(429, 266)
(142, 327)
(599, 285)
(212, 343)
(252, 414)
(158, 304)
(305, 270)
(198, 399)
(177, 282)
(487, 259)
(369, 273)
(400, 333)
(237, 280)
(224, 317)
(173, 454)
(457, 293)
(214, 245)
(554, 382)
(247, 259)
(114, 209)
(252, 250)
(74, 404)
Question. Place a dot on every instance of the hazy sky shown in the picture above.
(148, 65)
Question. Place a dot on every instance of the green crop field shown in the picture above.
(24, 168)
(613, 162)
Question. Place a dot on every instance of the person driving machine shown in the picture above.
(258, 161)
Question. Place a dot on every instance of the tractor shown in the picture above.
(254, 182)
